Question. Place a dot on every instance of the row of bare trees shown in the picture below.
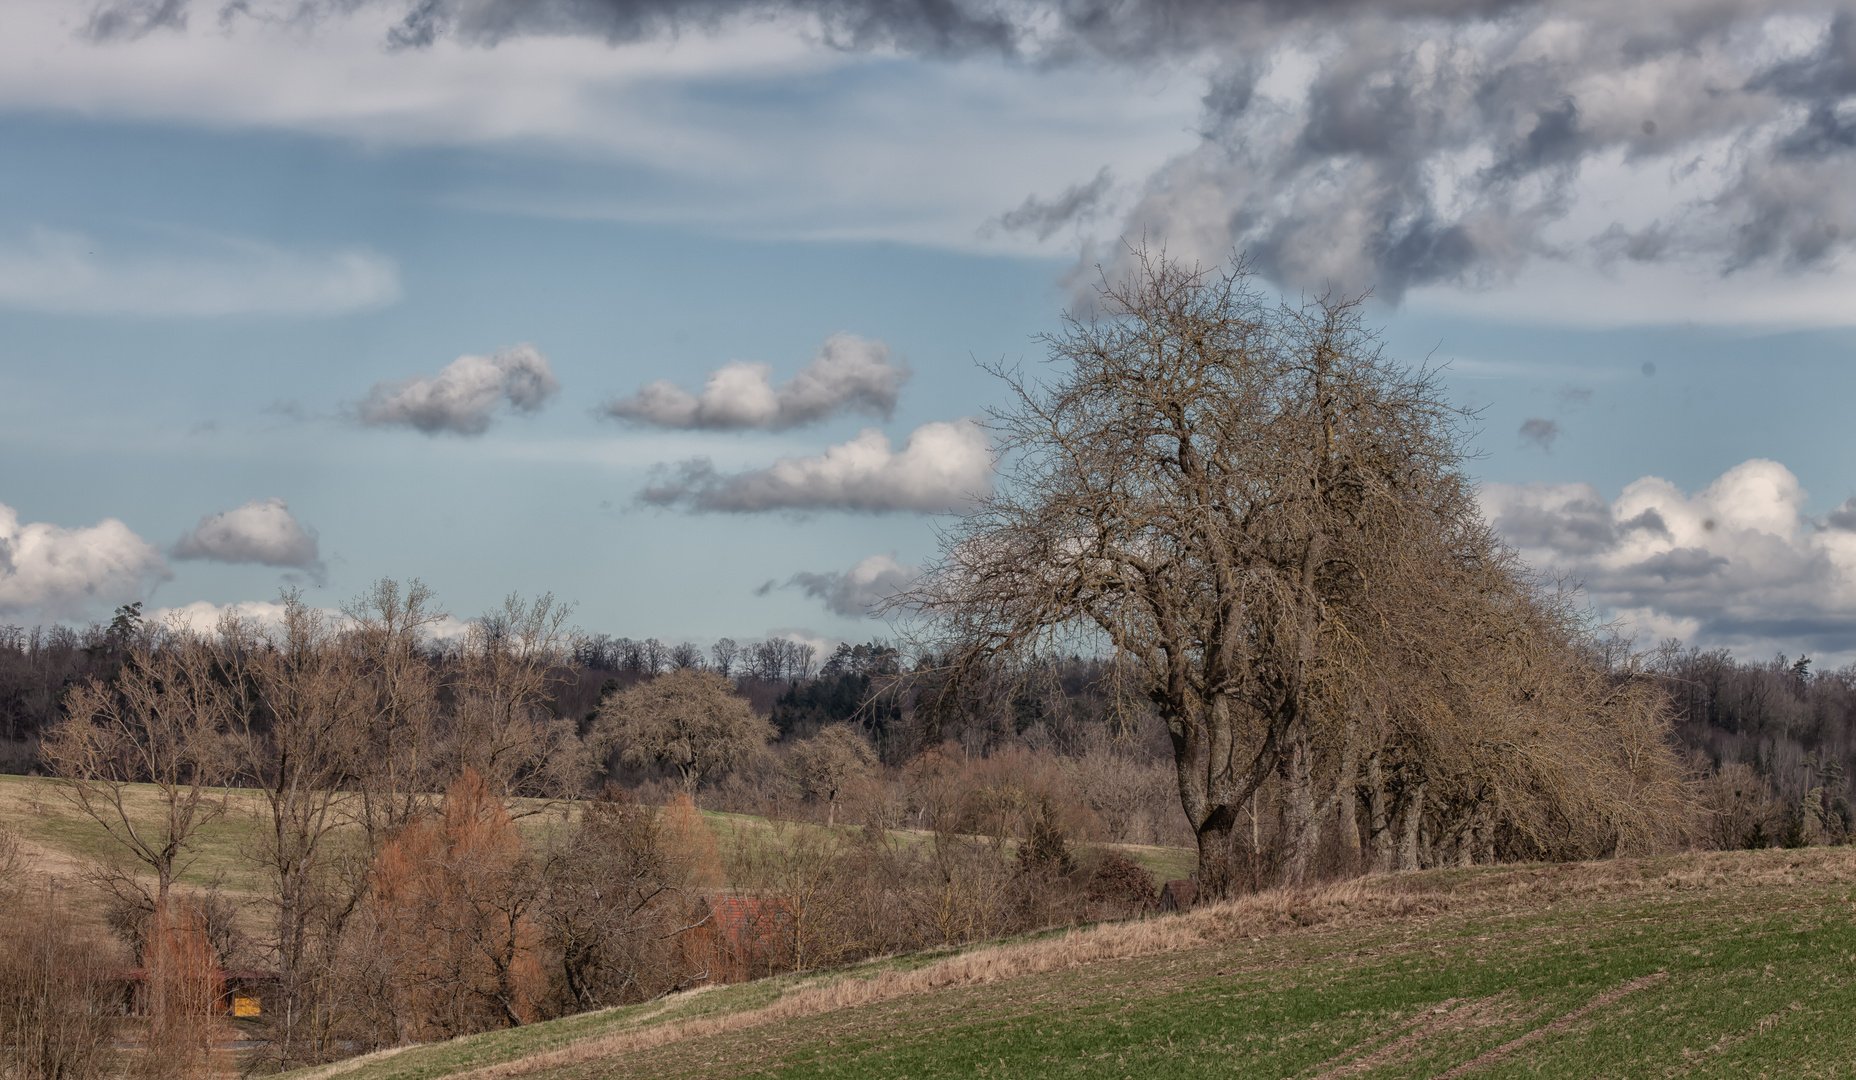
(337, 732)
(1267, 523)
(772, 660)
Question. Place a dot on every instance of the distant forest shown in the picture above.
(1789, 728)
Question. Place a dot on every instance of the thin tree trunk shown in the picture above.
(1378, 822)
(1408, 842)
(1347, 813)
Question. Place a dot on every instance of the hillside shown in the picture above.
(1729, 964)
(59, 840)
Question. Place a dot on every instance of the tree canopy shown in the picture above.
(692, 721)
(1269, 524)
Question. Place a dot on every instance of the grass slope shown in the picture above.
(1733, 964)
(62, 838)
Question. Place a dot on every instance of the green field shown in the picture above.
(1735, 964)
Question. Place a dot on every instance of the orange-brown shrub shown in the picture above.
(181, 989)
(449, 943)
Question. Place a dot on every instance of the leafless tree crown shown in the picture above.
(1268, 523)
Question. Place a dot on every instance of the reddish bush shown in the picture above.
(1120, 880)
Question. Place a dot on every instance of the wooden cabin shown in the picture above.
(241, 993)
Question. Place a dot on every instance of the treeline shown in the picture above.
(1774, 744)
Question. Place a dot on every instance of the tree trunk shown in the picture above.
(1408, 841)
(1347, 798)
(1379, 822)
(1300, 827)
(1216, 873)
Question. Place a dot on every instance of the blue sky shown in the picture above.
(233, 237)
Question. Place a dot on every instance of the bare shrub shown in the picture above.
(181, 988)
(616, 894)
(1118, 882)
(12, 867)
(1742, 810)
(59, 1011)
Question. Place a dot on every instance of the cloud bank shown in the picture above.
(855, 592)
(848, 374)
(49, 573)
(463, 396)
(1737, 564)
(1362, 144)
(261, 531)
(190, 276)
(1705, 156)
(943, 466)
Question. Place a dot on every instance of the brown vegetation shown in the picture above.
(1268, 525)
(58, 1007)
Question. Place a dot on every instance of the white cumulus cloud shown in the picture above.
(49, 572)
(189, 275)
(943, 466)
(261, 531)
(855, 592)
(464, 395)
(849, 373)
(1737, 564)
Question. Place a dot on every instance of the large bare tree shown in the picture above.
(692, 721)
(502, 721)
(162, 722)
(1249, 504)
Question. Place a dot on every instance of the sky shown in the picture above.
(680, 309)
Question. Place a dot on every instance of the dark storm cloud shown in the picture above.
(1540, 432)
(127, 20)
(1386, 145)
(938, 27)
(1041, 218)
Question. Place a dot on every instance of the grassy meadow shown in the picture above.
(1728, 964)
(61, 840)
